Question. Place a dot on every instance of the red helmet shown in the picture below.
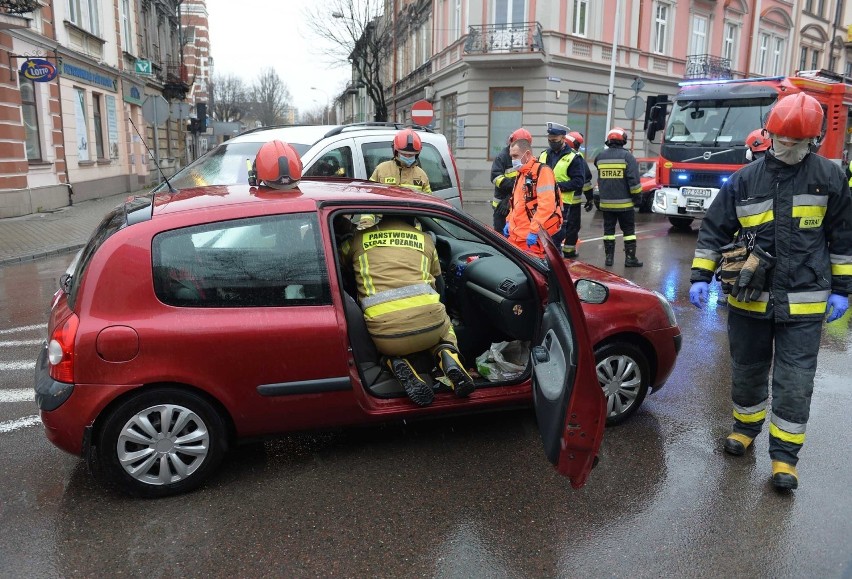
(578, 138)
(571, 141)
(521, 133)
(758, 141)
(797, 116)
(407, 140)
(278, 164)
(616, 135)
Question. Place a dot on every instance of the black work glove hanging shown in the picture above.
(752, 277)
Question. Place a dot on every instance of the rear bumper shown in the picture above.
(666, 343)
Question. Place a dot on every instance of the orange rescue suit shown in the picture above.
(536, 206)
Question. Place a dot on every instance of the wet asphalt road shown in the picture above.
(461, 497)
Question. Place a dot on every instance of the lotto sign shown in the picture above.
(422, 113)
(38, 70)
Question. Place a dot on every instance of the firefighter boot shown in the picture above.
(453, 369)
(609, 249)
(737, 443)
(415, 387)
(784, 476)
(570, 251)
(630, 255)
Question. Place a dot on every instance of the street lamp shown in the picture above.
(325, 112)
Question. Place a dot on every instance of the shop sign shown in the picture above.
(38, 70)
(89, 76)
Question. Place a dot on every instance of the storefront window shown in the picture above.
(30, 114)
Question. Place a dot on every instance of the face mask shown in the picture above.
(749, 155)
(407, 161)
(517, 164)
(555, 146)
(790, 154)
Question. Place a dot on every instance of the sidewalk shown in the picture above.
(69, 228)
(61, 231)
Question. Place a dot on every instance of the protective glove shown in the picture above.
(837, 306)
(588, 205)
(698, 293)
(506, 230)
(752, 277)
(532, 239)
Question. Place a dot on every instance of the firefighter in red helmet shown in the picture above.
(793, 213)
(404, 170)
(757, 143)
(277, 165)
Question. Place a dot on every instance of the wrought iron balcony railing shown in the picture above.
(17, 6)
(503, 38)
(706, 66)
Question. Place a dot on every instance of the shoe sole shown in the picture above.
(462, 385)
(785, 484)
(734, 449)
(417, 390)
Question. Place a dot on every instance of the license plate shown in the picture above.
(695, 192)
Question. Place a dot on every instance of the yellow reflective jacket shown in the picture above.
(393, 173)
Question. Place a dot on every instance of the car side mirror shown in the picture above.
(591, 292)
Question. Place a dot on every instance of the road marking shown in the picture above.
(12, 343)
(617, 235)
(24, 329)
(6, 366)
(17, 395)
(24, 422)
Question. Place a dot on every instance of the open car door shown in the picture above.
(569, 404)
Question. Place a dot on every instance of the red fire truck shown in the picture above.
(704, 139)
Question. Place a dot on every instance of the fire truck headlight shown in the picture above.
(660, 199)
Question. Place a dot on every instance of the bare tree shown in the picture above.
(230, 102)
(269, 98)
(359, 34)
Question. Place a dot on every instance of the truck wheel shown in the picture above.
(161, 442)
(681, 222)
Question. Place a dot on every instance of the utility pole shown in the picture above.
(615, 30)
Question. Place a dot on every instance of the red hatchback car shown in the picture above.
(194, 319)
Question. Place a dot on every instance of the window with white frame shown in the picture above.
(803, 58)
(455, 19)
(509, 11)
(698, 41)
(729, 43)
(778, 57)
(815, 55)
(580, 19)
(662, 13)
(126, 28)
(29, 110)
(762, 52)
(85, 14)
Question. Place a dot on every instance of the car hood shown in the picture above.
(582, 270)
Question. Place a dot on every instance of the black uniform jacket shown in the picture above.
(800, 214)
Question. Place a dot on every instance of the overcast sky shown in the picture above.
(249, 35)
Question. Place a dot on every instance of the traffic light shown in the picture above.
(201, 114)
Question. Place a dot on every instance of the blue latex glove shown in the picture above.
(506, 230)
(532, 239)
(837, 306)
(698, 293)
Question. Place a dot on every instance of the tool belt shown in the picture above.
(734, 256)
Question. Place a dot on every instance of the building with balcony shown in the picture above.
(498, 65)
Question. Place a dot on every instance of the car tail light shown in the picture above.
(60, 349)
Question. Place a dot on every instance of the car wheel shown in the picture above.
(624, 377)
(160, 443)
(681, 222)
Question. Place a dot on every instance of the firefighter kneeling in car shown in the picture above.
(395, 266)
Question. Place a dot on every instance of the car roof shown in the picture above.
(305, 197)
(311, 134)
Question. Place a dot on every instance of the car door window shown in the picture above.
(430, 160)
(258, 262)
(334, 163)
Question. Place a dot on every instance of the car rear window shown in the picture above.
(256, 262)
(430, 160)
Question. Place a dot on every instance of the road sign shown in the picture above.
(422, 113)
(638, 84)
(143, 66)
(180, 111)
(155, 109)
(634, 108)
(554, 79)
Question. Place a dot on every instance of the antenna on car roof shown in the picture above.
(166, 179)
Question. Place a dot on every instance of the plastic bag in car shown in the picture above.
(503, 361)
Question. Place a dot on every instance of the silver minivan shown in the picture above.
(349, 151)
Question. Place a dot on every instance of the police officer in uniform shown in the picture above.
(619, 186)
(793, 210)
(395, 266)
(568, 170)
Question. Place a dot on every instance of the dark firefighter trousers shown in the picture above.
(793, 369)
(626, 221)
(570, 230)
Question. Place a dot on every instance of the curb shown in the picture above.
(41, 253)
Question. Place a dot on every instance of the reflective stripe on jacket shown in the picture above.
(618, 179)
(800, 214)
(501, 176)
(392, 173)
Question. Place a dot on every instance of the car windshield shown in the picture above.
(716, 122)
(227, 164)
